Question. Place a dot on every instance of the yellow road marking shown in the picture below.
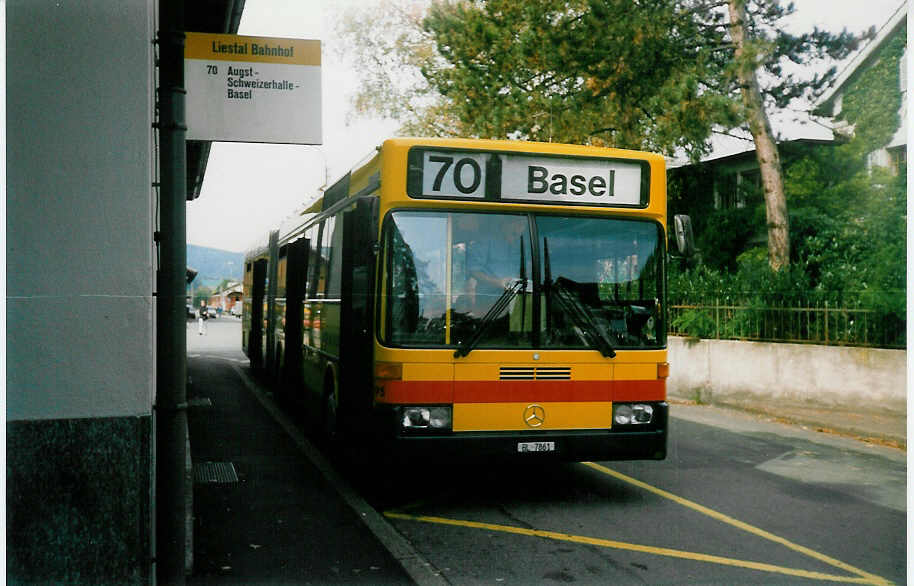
(699, 557)
(861, 577)
(870, 578)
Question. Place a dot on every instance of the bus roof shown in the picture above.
(390, 161)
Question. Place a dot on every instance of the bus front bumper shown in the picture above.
(630, 443)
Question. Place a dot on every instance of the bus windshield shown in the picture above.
(470, 280)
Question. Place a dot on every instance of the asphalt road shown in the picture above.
(738, 501)
(724, 508)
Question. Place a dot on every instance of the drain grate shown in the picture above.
(215, 473)
(199, 402)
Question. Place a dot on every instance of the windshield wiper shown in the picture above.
(547, 284)
(500, 304)
(579, 313)
(572, 306)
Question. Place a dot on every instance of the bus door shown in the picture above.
(296, 274)
(360, 228)
(258, 291)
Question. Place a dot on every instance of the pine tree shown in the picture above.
(759, 43)
(609, 72)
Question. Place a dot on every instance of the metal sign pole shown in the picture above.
(171, 341)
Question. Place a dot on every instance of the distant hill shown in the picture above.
(214, 265)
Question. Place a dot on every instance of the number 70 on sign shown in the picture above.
(454, 174)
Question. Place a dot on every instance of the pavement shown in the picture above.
(883, 427)
(269, 508)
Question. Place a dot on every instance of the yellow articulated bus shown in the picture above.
(475, 297)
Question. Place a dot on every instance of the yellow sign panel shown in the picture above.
(253, 49)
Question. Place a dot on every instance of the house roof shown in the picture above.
(787, 125)
(862, 58)
(791, 126)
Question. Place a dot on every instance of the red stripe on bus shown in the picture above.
(435, 391)
(639, 390)
(522, 391)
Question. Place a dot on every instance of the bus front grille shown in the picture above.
(535, 373)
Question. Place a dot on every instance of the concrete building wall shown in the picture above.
(80, 328)
(79, 221)
(731, 371)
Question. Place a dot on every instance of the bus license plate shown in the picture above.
(536, 446)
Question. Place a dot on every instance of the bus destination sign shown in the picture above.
(511, 177)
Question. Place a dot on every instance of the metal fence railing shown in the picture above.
(820, 323)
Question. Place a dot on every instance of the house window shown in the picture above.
(898, 159)
(878, 158)
(734, 189)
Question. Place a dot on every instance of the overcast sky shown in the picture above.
(250, 188)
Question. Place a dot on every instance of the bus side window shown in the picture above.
(280, 301)
(335, 252)
(314, 266)
(323, 269)
(306, 278)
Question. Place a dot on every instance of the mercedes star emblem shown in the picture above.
(534, 415)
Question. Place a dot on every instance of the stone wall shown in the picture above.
(731, 371)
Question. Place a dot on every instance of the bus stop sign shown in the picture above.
(252, 89)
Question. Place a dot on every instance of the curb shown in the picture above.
(822, 426)
(417, 567)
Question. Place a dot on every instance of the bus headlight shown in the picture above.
(632, 413)
(426, 417)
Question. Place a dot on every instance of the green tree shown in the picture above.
(850, 217)
(760, 44)
(745, 60)
(388, 46)
(659, 75)
(607, 72)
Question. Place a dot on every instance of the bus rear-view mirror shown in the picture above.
(682, 232)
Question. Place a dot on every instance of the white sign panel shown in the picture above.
(252, 89)
(450, 174)
(554, 180)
